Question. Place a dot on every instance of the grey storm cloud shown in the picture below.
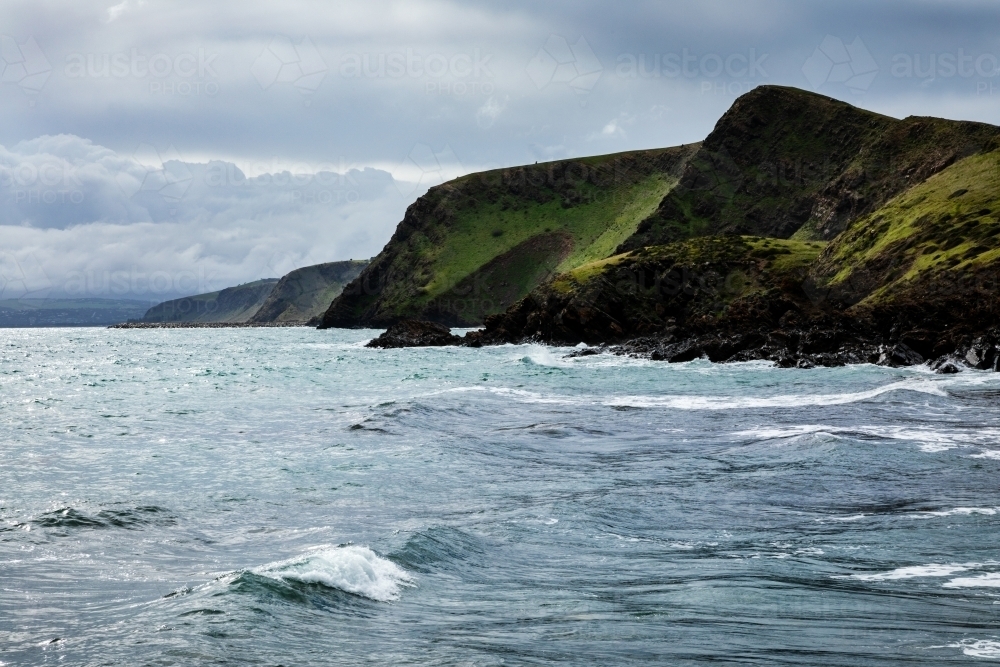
(122, 112)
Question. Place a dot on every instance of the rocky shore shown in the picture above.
(786, 348)
(819, 347)
(415, 333)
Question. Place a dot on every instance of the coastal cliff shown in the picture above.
(803, 230)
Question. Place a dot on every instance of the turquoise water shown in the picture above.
(288, 497)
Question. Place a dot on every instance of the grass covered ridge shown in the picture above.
(471, 247)
(945, 227)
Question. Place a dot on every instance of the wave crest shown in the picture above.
(354, 569)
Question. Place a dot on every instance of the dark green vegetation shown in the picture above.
(233, 304)
(932, 252)
(472, 246)
(299, 296)
(306, 293)
(705, 284)
(781, 163)
(68, 312)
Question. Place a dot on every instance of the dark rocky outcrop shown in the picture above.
(415, 333)
(706, 286)
(733, 299)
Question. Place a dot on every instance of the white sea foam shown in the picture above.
(988, 580)
(915, 571)
(351, 568)
(978, 648)
(960, 511)
(987, 454)
(786, 432)
(780, 401)
(544, 356)
(930, 440)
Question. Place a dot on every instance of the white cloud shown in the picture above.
(487, 114)
(87, 221)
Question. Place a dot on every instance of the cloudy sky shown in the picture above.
(152, 148)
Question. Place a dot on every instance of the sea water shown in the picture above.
(289, 497)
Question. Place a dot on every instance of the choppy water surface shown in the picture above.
(285, 496)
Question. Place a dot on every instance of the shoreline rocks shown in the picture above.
(415, 333)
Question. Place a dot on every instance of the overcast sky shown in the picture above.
(154, 148)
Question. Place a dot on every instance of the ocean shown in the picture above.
(289, 497)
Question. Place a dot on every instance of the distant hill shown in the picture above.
(233, 304)
(68, 312)
(306, 293)
(296, 298)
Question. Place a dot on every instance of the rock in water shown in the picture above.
(899, 355)
(946, 365)
(415, 333)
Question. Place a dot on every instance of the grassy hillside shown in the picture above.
(473, 246)
(68, 312)
(934, 247)
(702, 283)
(233, 304)
(781, 163)
(787, 163)
(306, 293)
(923, 270)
